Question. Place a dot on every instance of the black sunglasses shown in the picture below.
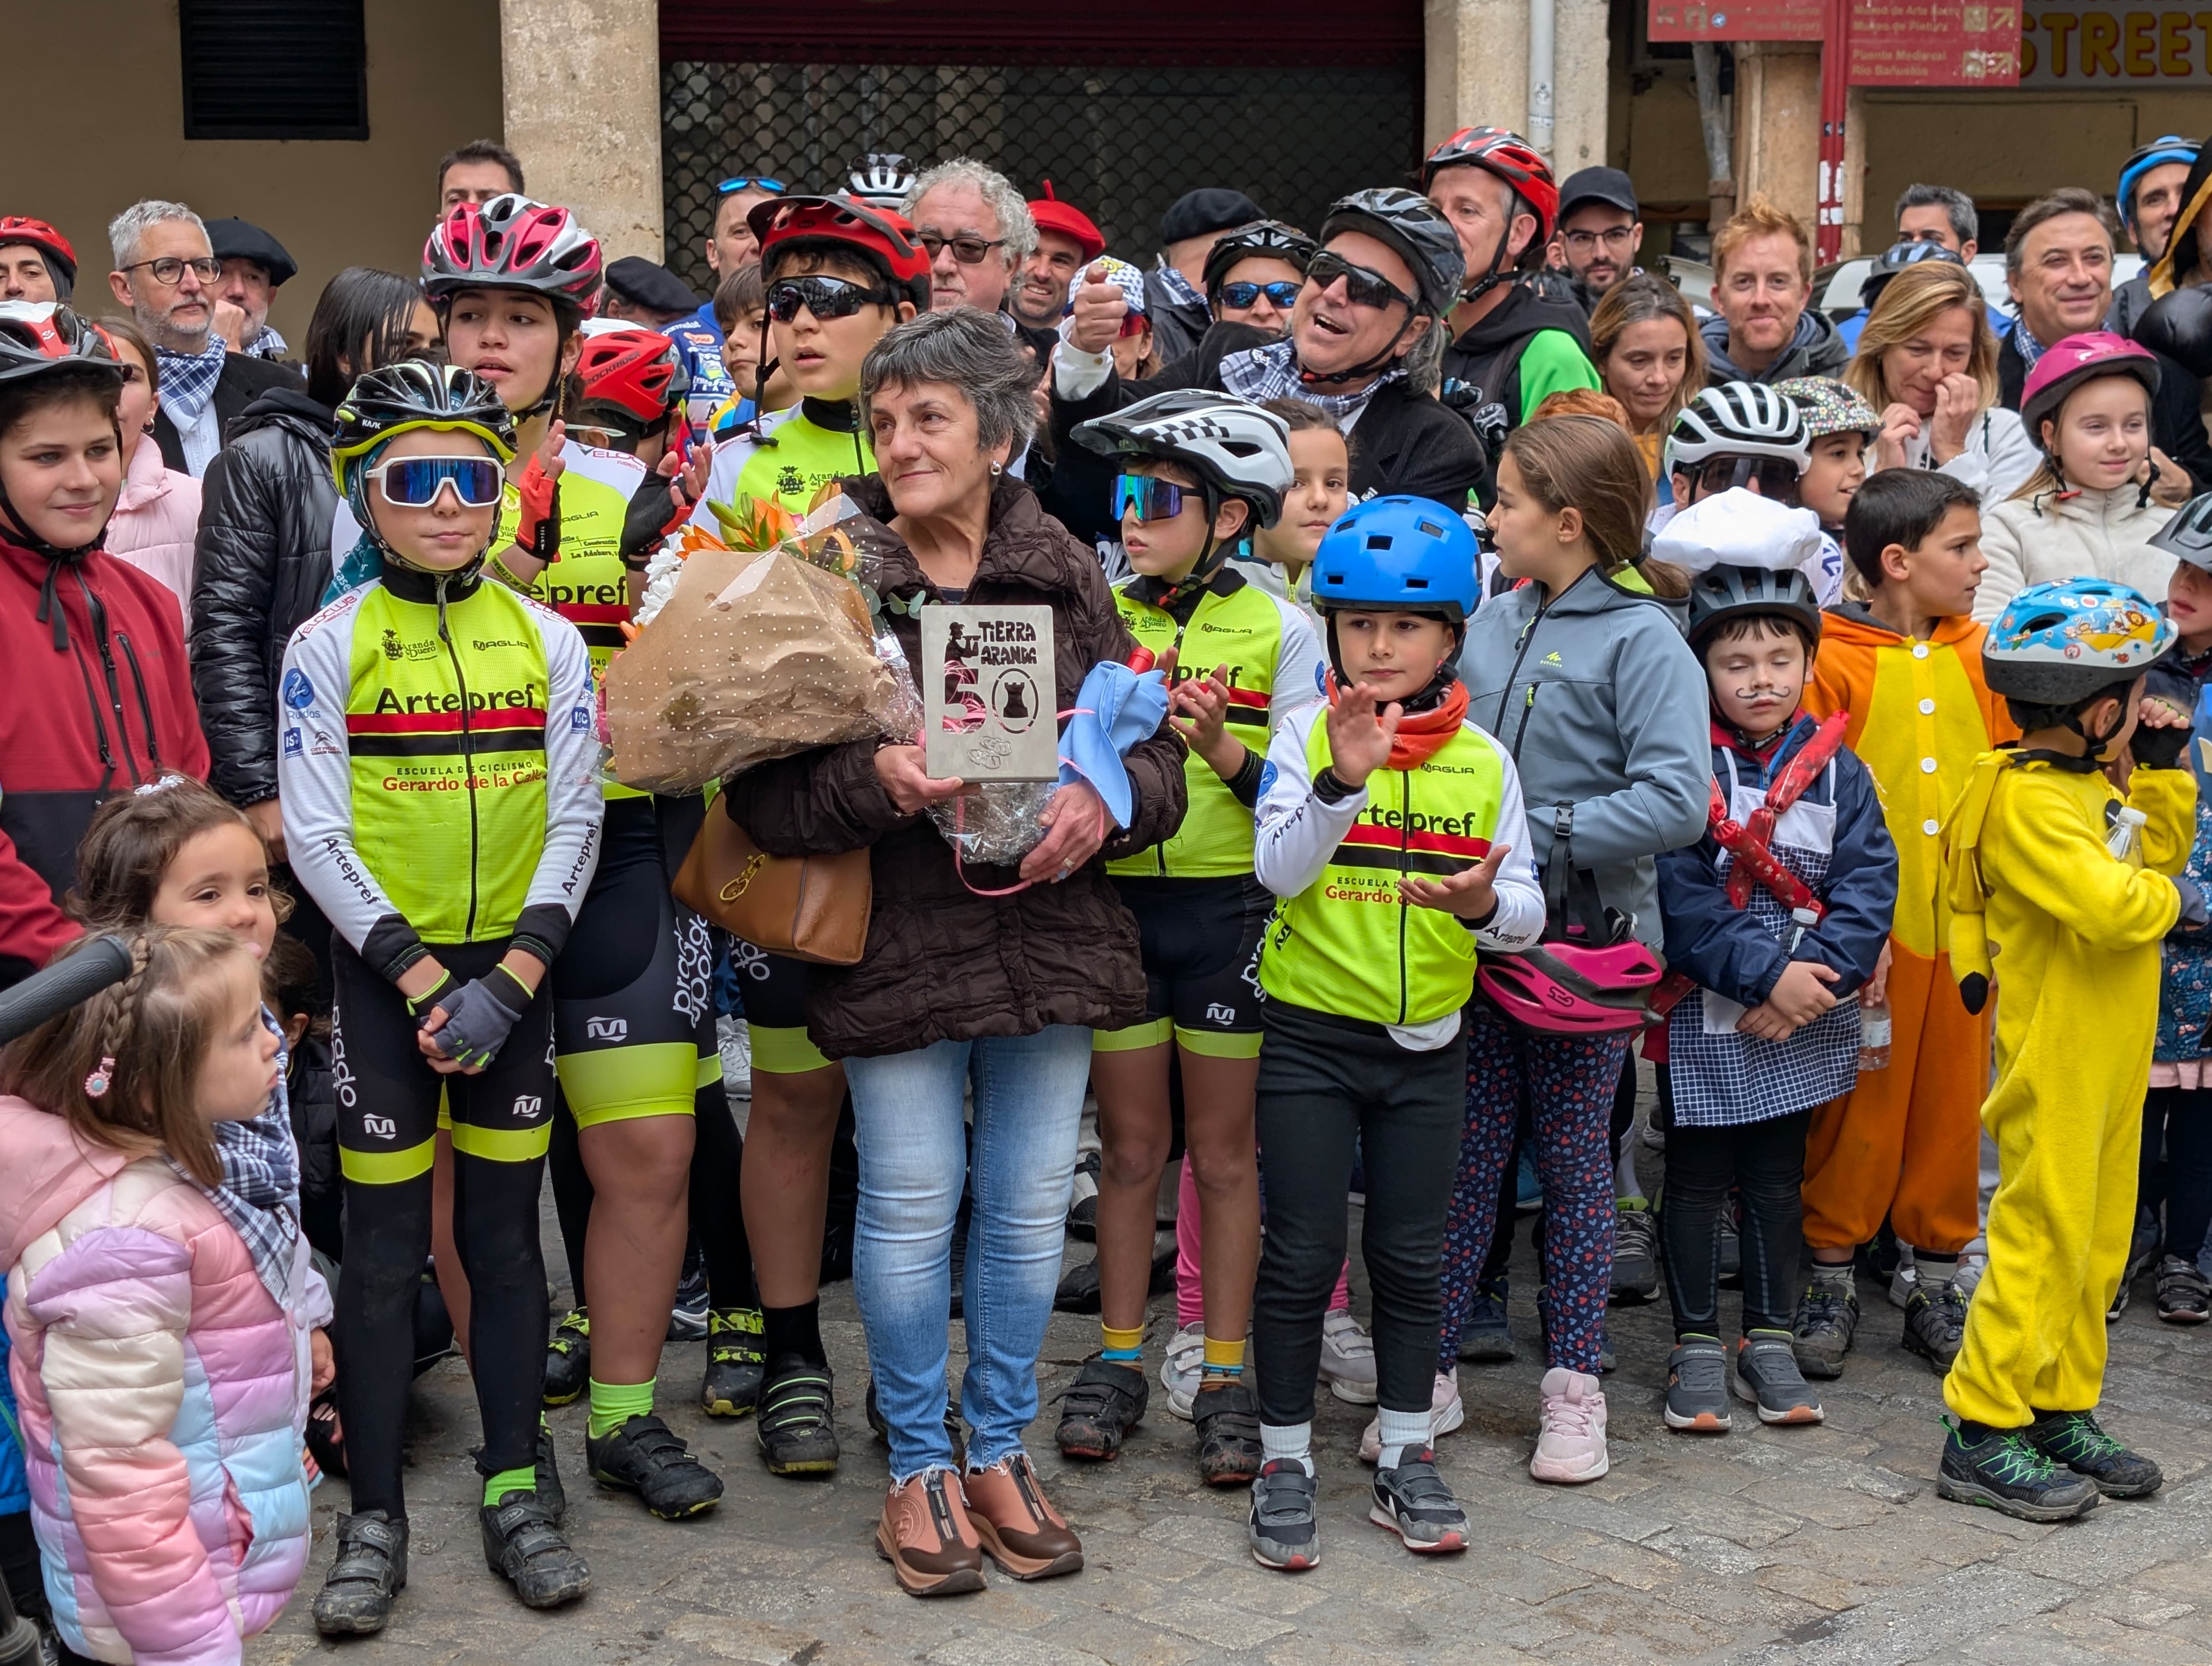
(1362, 288)
(751, 182)
(824, 297)
(968, 250)
(1282, 293)
(1777, 477)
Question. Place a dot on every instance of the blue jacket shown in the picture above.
(14, 1490)
(1731, 952)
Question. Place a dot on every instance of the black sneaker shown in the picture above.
(2184, 1294)
(1999, 1468)
(1935, 1325)
(1105, 1401)
(644, 1455)
(1412, 1501)
(795, 1418)
(2077, 1441)
(1697, 1387)
(1635, 1253)
(1767, 1379)
(1283, 1529)
(569, 1359)
(1485, 1339)
(1227, 1415)
(1083, 1207)
(550, 1492)
(367, 1570)
(1078, 1292)
(524, 1546)
(687, 1320)
(735, 1364)
(1820, 1334)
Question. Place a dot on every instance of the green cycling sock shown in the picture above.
(509, 1481)
(614, 1404)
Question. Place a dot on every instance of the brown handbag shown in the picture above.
(811, 907)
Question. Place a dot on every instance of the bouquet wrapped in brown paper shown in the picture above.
(755, 654)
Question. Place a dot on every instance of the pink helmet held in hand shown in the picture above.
(1569, 990)
(2073, 360)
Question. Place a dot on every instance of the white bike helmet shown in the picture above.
(1738, 419)
(882, 180)
(1235, 448)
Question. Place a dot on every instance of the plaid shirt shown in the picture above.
(1261, 374)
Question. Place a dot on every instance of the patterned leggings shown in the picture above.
(1565, 1085)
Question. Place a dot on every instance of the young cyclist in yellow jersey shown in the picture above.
(1199, 469)
(1391, 829)
(511, 281)
(448, 909)
(838, 275)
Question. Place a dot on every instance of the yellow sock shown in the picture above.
(1123, 1346)
(1225, 1359)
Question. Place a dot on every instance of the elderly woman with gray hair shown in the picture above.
(991, 979)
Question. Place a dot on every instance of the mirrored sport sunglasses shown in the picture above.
(1280, 294)
(1146, 498)
(751, 182)
(1364, 288)
(414, 483)
(824, 297)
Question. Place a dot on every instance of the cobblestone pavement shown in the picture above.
(1814, 1546)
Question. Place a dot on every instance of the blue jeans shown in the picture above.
(913, 1160)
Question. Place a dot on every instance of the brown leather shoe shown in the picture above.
(1017, 1522)
(926, 1535)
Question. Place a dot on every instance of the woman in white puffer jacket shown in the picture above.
(2087, 511)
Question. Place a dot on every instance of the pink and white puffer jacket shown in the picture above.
(162, 1393)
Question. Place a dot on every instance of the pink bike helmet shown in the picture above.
(2068, 363)
(513, 243)
(1569, 990)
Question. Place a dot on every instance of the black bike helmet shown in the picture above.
(1268, 237)
(416, 394)
(1421, 236)
(2188, 536)
(1895, 259)
(1721, 593)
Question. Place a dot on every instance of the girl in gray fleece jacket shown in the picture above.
(1582, 672)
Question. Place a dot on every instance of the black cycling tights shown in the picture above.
(387, 1115)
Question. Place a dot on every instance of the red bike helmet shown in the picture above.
(1567, 990)
(636, 370)
(1512, 159)
(513, 243)
(21, 229)
(885, 240)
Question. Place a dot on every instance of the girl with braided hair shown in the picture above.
(183, 1343)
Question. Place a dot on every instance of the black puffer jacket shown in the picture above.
(258, 569)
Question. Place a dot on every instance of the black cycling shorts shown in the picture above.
(388, 1096)
(633, 1012)
(1201, 940)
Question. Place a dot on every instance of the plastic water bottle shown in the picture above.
(1874, 1036)
(1802, 921)
(2124, 840)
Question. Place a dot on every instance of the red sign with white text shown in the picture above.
(1735, 20)
(1935, 43)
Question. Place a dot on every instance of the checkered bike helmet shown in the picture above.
(1738, 419)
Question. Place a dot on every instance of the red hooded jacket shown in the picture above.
(99, 701)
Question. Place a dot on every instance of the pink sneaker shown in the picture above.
(1571, 1445)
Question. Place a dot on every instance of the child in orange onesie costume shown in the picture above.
(1905, 1144)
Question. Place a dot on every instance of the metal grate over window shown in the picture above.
(273, 68)
(1122, 143)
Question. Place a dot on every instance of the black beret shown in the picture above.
(1209, 209)
(644, 283)
(241, 239)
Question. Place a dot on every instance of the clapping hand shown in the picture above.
(1359, 736)
(1471, 894)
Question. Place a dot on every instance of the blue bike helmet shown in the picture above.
(1405, 554)
(2055, 644)
(2158, 152)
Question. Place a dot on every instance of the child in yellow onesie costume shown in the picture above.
(2057, 901)
(1906, 1143)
